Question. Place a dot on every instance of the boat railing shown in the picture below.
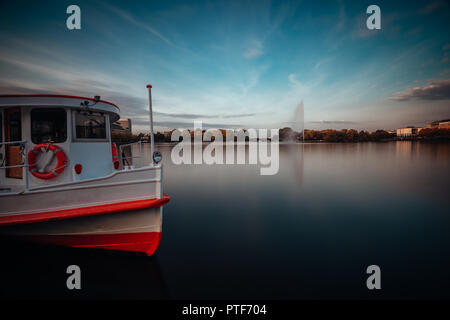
(23, 151)
(127, 154)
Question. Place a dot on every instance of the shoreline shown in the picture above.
(430, 140)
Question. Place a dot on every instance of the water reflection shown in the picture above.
(39, 271)
(293, 153)
(311, 230)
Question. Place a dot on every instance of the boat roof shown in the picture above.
(58, 100)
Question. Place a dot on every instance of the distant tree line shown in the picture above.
(347, 135)
(287, 134)
(121, 138)
(434, 134)
(331, 135)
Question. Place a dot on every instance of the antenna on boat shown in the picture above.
(152, 138)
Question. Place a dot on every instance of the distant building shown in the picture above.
(408, 132)
(167, 135)
(433, 125)
(442, 124)
(122, 126)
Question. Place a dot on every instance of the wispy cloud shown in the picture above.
(204, 116)
(298, 87)
(254, 50)
(251, 79)
(33, 67)
(432, 7)
(189, 125)
(145, 26)
(54, 77)
(321, 62)
(333, 122)
(446, 50)
(253, 53)
(434, 90)
(361, 31)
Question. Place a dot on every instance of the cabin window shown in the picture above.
(1, 136)
(90, 126)
(48, 125)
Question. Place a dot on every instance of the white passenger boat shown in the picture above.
(63, 181)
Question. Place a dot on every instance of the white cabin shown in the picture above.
(79, 126)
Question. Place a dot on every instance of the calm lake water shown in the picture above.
(308, 232)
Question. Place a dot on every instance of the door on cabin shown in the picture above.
(13, 132)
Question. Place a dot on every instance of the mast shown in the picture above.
(152, 138)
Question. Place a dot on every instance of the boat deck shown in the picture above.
(6, 189)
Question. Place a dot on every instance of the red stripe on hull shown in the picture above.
(146, 242)
(84, 211)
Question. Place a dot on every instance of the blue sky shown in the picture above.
(237, 63)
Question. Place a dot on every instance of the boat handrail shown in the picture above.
(132, 156)
(24, 152)
(13, 142)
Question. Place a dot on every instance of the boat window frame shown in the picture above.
(1, 128)
(2, 137)
(74, 127)
(48, 108)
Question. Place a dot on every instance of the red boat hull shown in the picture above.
(127, 226)
(145, 242)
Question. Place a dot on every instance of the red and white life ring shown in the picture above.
(60, 165)
(115, 156)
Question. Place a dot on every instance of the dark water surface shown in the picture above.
(308, 232)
